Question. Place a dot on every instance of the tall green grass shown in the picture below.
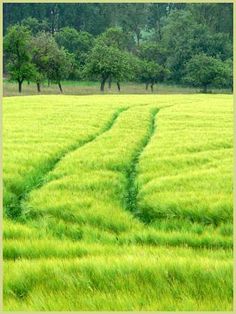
(41, 143)
(186, 171)
(127, 282)
(118, 203)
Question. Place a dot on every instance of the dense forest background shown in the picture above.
(188, 44)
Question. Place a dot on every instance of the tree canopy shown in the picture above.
(17, 49)
(203, 71)
(176, 43)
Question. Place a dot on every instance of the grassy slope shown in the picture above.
(104, 243)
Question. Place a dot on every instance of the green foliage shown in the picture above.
(156, 18)
(183, 37)
(42, 45)
(17, 48)
(134, 19)
(78, 44)
(217, 17)
(35, 25)
(152, 65)
(204, 71)
(151, 73)
(52, 62)
(152, 51)
(59, 65)
(177, 39)
(109, 61)
(168, 34)
(75, 42)
(67, 37)
(116, 37)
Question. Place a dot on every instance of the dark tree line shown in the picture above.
(95, 18)
(150, 43)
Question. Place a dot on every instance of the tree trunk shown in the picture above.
(28, 82)
(159, 30)
(103, 84)
(138, 38)
(147, 86)
(20, 86)
(48, 83)
(38, 87)
(109, 82)
(152, 87)
(59, 85)
(118, 86)
(205, 89)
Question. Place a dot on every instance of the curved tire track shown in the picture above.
(40, 180)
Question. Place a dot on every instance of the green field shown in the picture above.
(118, 202)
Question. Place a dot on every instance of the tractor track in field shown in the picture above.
(130, 199)
(131, 202)
(15, 211)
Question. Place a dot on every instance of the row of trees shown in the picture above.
(165, 44)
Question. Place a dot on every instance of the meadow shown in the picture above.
(118, 202)
(10, 88)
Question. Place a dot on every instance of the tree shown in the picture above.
(104, 62)
(152, 51)
(19, 58)
(152, 66)
(116, 37)
(78, 43)
(218, 17)
(67, 37)
(177, 38)
(59, 65)
(86, 42)
(184, 36)
(156, 17)
(204, 71)
(43, 46)
(134, 19)
(229, 68)
(34, 25)
(51, 62)
(151, 73)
